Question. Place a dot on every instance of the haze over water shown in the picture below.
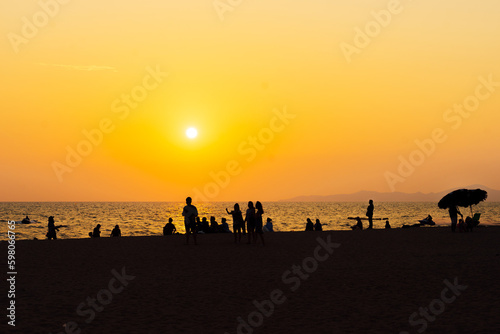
(148, 218)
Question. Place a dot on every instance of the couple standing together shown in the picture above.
(253, 219)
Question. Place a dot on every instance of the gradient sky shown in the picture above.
(353, 120)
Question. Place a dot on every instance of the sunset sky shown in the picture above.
(289, 98)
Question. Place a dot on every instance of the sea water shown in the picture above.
(148, 218)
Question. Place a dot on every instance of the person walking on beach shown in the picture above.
(259, 223)
(318, 226)
(237, 222)
(190, 213)
(51, 233)
(369, 214)
(250, 220)
(454, 212)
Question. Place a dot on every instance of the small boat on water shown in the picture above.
(27, 221)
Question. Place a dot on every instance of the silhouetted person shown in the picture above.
(26, 220)
(238, 223)
(169, 228)
(269, 225)
(469, 224)
(214, 227)
(250, 220)
(461, 226)
(97, 232)
(205, 227)
(454, 212)
(259, 223)
(387, 225)
(369, 214)
(224, 227)
(190, 213)
(359, 224)
(199, 227)
(318, 226)
(429, 220)
(116, 232)
(51, 233)
(309, 225)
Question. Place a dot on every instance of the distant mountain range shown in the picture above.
(364, 196)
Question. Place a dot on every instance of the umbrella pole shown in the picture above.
(471, 214)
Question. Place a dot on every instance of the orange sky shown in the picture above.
(289, 98)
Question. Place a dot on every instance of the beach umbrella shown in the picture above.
(463, 197)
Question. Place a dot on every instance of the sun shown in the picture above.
(192, 133)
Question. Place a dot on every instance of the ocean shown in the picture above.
(148, 218)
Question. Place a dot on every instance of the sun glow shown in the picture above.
(191, 133)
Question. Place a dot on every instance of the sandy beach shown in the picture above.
(300, 282)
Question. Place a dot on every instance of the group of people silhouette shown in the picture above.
(466, 225)
(96, 233)
(310, 226)
(252, 225)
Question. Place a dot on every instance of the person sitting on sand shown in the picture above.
(427, 221)
(224, 227)
(269, 225)
(359, 225)
(198, 225)
(387, 225)
(309, 225)
(116, 232)
(204, 226)
(318, 226)
(461, 226)
(469, 224)
(97, 232)
(190, 213)
(51, 233)
(169, 228)
(214, 227)
(238, 223)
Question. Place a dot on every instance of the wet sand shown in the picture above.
(349, 282)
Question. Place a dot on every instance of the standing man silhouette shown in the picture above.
(454, 212)
(369, 214)
(190, 213)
